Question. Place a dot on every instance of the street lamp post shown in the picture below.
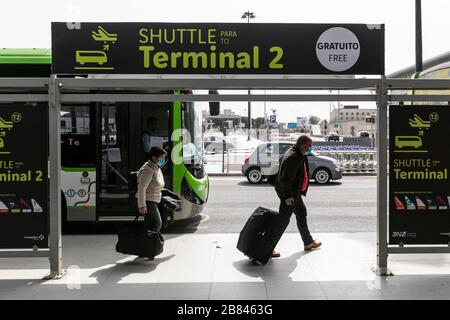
(265, 118)
(249, 15)
(371, 132)
(419, 62)
(339, 113)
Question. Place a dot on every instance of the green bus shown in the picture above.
(103, 144)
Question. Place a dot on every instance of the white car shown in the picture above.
(265, 159)
(215, 144)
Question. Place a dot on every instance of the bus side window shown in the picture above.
(77, 137)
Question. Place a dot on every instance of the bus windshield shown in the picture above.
(193, 135)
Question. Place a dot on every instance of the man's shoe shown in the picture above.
(313, 245)
(275, 254)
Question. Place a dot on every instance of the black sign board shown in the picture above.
(199, 48)
(23, 176)
(419, 163)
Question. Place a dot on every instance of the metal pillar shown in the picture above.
(382, 179)
(249, 115)
(55, 180)
(419, 60)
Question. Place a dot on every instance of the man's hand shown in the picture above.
(142, 211)
(290, 201)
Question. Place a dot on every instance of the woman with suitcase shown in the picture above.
(150, 184)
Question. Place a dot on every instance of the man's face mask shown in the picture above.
(306, 149)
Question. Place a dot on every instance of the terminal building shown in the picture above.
(350, 120)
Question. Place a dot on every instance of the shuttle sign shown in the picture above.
(419, 185)
(23, 176)
(217, 48)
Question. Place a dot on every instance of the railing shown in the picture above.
(353, 160)
(227, 160)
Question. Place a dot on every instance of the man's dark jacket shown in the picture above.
(290, 174)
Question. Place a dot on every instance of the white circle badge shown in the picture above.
(338, 49)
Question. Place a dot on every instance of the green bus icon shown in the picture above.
(91, 56)
(408, 141)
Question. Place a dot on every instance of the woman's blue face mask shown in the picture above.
(161, 162)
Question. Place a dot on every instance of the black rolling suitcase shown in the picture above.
(169, 205)
(136, 239)
(262, 232)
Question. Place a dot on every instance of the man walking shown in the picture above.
(291, 184)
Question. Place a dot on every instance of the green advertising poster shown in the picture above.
(217, 48)
(23, 176)
(419, 163)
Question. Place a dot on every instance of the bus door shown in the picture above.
(127, 131)
(113, 161)
(154, 130)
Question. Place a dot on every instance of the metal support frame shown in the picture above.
(249, 118)
(118, 83)
(384, 94)
(64, 90)
(382, 178)
(418, 249)
(55, 179)
(41, 253)
(135, 97)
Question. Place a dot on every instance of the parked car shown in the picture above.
(364, 134)
(332, 137)
(264, 161)
(214, 144)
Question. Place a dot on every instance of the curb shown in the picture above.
(359, 173)
(240, 174)
(226, 174)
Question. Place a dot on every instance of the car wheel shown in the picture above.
(322, 176)
(254, 175)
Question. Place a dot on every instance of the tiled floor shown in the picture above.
(208, 266)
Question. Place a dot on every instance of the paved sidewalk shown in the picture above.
(208, 266)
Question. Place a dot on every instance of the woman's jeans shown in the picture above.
(153, 217)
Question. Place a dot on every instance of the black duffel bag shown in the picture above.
(136, 239)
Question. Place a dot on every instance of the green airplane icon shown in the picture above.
(103, 35)
(418, 122)
(5, 124)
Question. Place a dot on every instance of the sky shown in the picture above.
(26, 23)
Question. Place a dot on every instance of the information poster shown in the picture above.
(23, 176)
(419, 188)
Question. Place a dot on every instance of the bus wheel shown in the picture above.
(64, 221)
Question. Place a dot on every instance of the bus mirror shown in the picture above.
(214, 106)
